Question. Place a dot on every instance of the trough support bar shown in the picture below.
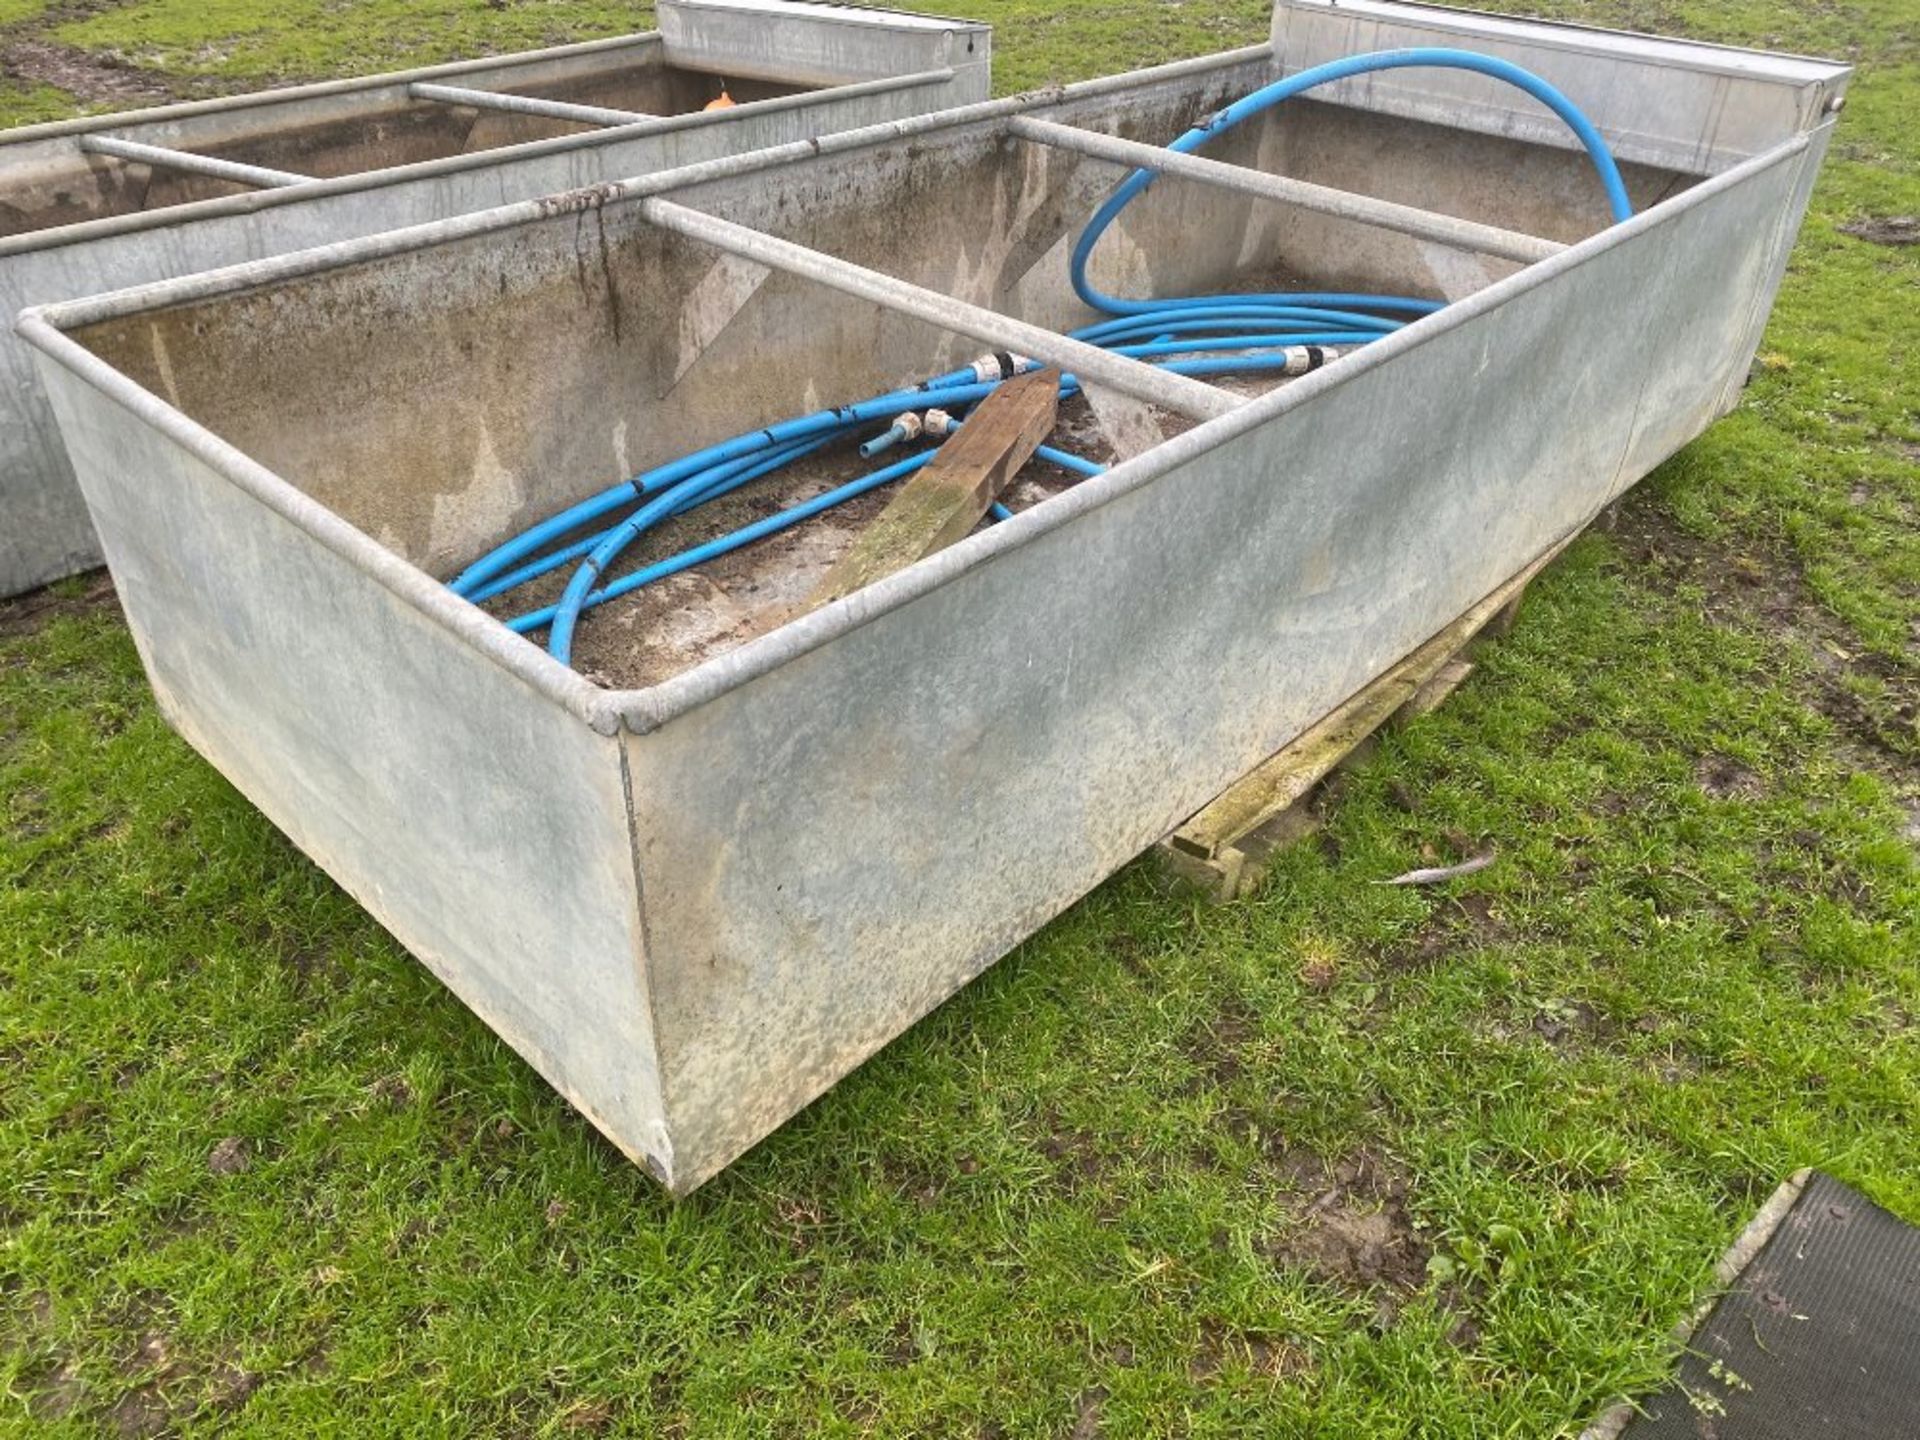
(1223, 847)
(160, 155)
(951, 492)
(1184, 396)
(1467, 235)
(525, 105)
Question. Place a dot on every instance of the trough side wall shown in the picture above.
(481, 823)
(48, 533)
(831, 847)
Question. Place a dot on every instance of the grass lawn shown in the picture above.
(1339, 1160)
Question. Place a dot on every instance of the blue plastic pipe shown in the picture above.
(1234, 333)
(1268, 96)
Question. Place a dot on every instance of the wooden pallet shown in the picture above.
(1224, 847)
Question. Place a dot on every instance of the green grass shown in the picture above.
(30, 104)
(1035, 42)
(14, 12)
(1071, 1201)
(258, 40)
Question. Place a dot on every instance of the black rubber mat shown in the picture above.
(1820, 1335)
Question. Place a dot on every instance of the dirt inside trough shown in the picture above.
(674, 624)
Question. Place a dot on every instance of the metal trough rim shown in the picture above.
(55, 238)
(318, 90)
(388, 79)
(648, 708)
(426, 169)
(1665, 51)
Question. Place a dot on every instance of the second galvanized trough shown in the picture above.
(696, 902)
(112, 200)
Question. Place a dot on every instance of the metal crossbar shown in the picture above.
(186, 160)
(525, 105)
(1468, 235)
(1179, 393)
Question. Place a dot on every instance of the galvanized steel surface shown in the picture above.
(886, 66)
(701, 903)
(1683, 104)
(1131, 377)
(976, 745)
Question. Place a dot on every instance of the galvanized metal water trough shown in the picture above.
(113, 200)
(695, 905)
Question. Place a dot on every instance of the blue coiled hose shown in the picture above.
(1191, 335)
(1266, 98)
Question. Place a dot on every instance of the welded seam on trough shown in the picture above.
(643, 957)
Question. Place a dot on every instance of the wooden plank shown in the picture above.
(945, 499)
(1236, 869)
(1218, 878)
(1284, 779)
(1503, 623)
